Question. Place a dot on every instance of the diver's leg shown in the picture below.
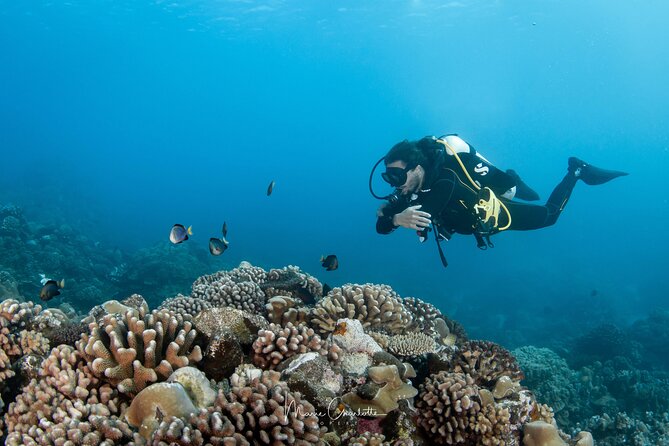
(525, 217)
(523, 191)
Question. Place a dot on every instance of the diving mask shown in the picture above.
(396, 176)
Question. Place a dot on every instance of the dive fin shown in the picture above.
(523, 191)
(590, 174)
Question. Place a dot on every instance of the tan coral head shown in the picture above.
(158, 400)
(540, 433)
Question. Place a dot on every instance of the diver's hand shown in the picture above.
(412, 218)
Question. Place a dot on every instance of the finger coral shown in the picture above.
(411, 344)
(17, 337)
(277, 343)
(377, 307)
(136, 350)
(486, 362)
(186, 306)
(225, 292)
(448, 405)
(266, 411)
(67, 405)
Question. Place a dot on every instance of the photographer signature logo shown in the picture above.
(335, 410)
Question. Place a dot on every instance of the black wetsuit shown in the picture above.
(448, 195)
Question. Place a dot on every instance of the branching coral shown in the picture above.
(277, 343)
(186, 306)
(448, 405)
(377, 307)
(137, 349)
(17, 337)
(259, 409)
(411, 344)
(67, 403)
(486, 362)
(225, 292)
(245, 272)
(265, 411)
(206, 427)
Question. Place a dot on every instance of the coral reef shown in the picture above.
(58, 251)
(255, 357)
(549, 376)
(606, 341)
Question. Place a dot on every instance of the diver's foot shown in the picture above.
(590, 174)
(523, 191)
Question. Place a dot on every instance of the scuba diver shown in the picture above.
(445, 186)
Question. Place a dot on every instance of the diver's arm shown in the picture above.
(411, 218)
(384, 220)
(384, 225)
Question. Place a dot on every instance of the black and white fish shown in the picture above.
(51, 289)
(179, 233)
(217, 246)
(330, 263)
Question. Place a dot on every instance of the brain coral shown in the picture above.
(136, 349)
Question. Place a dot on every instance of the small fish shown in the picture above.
(225, 229)
(217, 246)
(594, 293)
(51, 289)
(160, 415)
(340, 329)
(179, 233)
(326, 289)
(330, 263)
(270, 188)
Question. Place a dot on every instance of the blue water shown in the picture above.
(123, 118)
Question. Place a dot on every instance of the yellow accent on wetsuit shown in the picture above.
(448, 147)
